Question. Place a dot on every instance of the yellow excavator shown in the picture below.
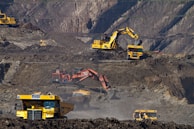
(134, 51)
(5, 20)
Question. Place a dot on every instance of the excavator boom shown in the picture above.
(130, 32)
(104, 82)
(63, 77)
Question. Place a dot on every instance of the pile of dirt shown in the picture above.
(100, 123)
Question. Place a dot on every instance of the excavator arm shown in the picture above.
(104, 82)
(5, 20)
(129, 31)
(84, 74)
(63, 77)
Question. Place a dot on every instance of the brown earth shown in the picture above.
(161, 81)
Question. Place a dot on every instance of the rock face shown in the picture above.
(164, 26)
(62, 16)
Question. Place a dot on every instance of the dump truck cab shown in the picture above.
(135, 52)
(38, 106)
(140, 115)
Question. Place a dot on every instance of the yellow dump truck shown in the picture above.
(135, 52)
(5, 20)
(140, 115)
(80, 98)
(39, 106)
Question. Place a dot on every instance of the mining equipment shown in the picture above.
(5, 20)
(62, 76)
(39, 106)
(80, 98)
(134, 50)
(42, 43)
(142, 114)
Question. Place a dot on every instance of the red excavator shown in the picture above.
(61, 76)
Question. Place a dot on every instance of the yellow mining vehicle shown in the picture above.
(111, 43)
(135, 52)
(142, 114)
(42, 43)
(81, 92)
(5, 20)
(81, 99)
(38, 106)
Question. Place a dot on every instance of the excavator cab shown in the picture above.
(81, 92)
(107, 43)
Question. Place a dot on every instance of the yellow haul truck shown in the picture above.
(110, 43)
(140, 115)
(81, 98)
(5, 20)
(38, 106)
(135, 52)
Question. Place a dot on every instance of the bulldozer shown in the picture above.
(134, 50)
(5, 20)
(39, 106)
(142, 114)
